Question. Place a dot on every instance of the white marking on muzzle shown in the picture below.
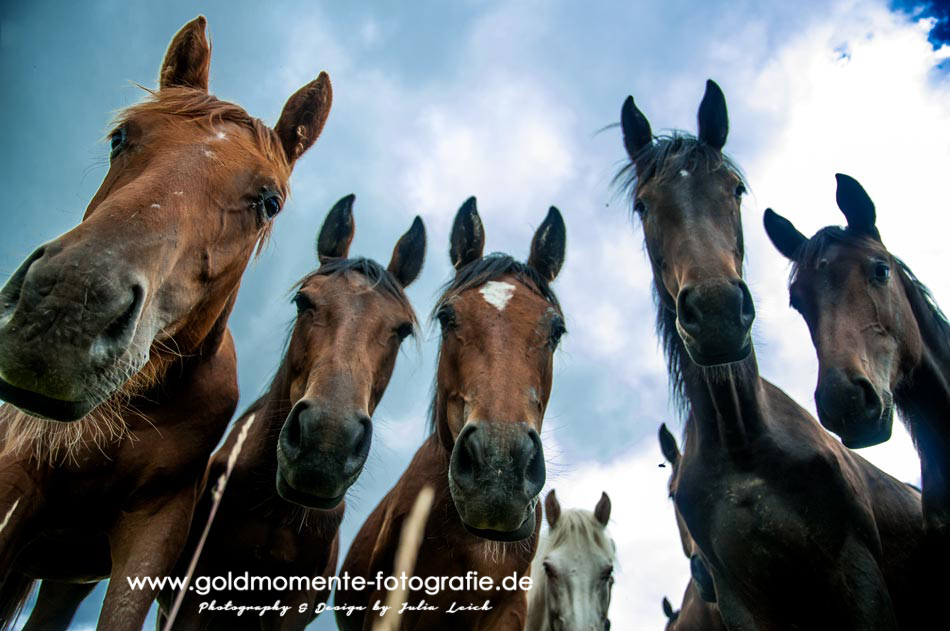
(497, 294)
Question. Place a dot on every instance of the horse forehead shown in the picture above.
(497, 293)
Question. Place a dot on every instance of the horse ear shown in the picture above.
(856, 205)
(636, 128)
(784, 236)
(602, 510)
(468, 237)
(668, 446)
(713, 117)
(667, 608)
(303, 117)
(409, 253)
(552, 509)
(548, 246)
(187, 62)
(337, 231)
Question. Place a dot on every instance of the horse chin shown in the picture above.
(42, 406)
(303, 498)
(878, 433)
(724, 358)
(525, 530)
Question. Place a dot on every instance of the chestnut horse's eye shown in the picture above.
(557, 331)
(302, 302)
(404, 330)
(640, 208)
(740, 191)
(270, 205)
(117, 142)
(446, 316)
(882, 271)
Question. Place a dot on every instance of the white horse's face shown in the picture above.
(579, 581)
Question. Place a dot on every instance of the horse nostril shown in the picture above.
(871, 402)
(10, 293)
(747, 306)
(534, 473)
(359, 440)
(122, 326)
(290, 432)
(687, 310)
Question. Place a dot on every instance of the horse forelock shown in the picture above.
(578, 528)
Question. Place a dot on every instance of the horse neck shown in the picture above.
(724, 404)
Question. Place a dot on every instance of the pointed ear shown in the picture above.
(668, 446)
(667, 608)
(552, 509)
(636, 128)
(602, 510)
(337, 231)
(409, 253)
(856, 205)
(188, 59)
(713, 117)
(303, 117)
(784, 236)
(548, 245)
(468, 237)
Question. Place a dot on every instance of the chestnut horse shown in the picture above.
(881, 341)
(698, 610)
(309, 434)
(501, 324)
(115, 356)
(796, 530)
(573, 571)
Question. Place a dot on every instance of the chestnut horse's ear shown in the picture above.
(636, 128)
(409, 254)
(602, 510)
(468, 237)
(552, 509)
(303, 117)
(548, 245)
(188, 59)
(784, 236)
(668, 446)
(337, 231)
(856, 205)
(713, 117)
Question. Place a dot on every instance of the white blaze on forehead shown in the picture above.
(497, 294)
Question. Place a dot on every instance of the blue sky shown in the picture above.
(436, 101)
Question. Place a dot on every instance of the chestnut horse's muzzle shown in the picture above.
(495, 475)
(68, 317)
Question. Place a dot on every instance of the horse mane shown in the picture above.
(476, 274)
(577, 524)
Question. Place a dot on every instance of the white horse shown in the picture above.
(573, 571)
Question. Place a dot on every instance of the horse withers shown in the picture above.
(501, 324)
(882, 341)
(573, 570)
(115, 357)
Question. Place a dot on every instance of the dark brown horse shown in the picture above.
(796, 530)
(115, 356)
(698, 610)
(501, 324)
(881, 340)
(309, 434)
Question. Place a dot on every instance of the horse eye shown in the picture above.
(303, 303)
(557, 331)
(270, 205)
(549, 570)
(608, 573)
(117, 142)
(794, 302)
(882, 271)
(403, 331)
(740, 191)
(446, 316)
(640, 208)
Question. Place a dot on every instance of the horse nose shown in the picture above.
(478, 462)
(848, 405)
(716, 319)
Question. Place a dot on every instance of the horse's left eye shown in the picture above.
(608, 573)
(117, 142)
(270, 205)
(403, 331)
(740, 191)
(557, 331)
(882, 271)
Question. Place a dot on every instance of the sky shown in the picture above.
(513, 102)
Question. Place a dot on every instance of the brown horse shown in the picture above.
(501, 324)
(881, 340)
(796, 530)
(115, 356)
(310, 433)
(698, 610)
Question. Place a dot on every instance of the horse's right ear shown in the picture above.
(713, 116)
(856, 205)
(187, 62)
(784, 236)
(548, 246)
(409, 253)
(636, 128)
(602, 510)
(304, 116)
(337, 231)
(668, 608)
(468, 237)
(552, 509)
(668, 446)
